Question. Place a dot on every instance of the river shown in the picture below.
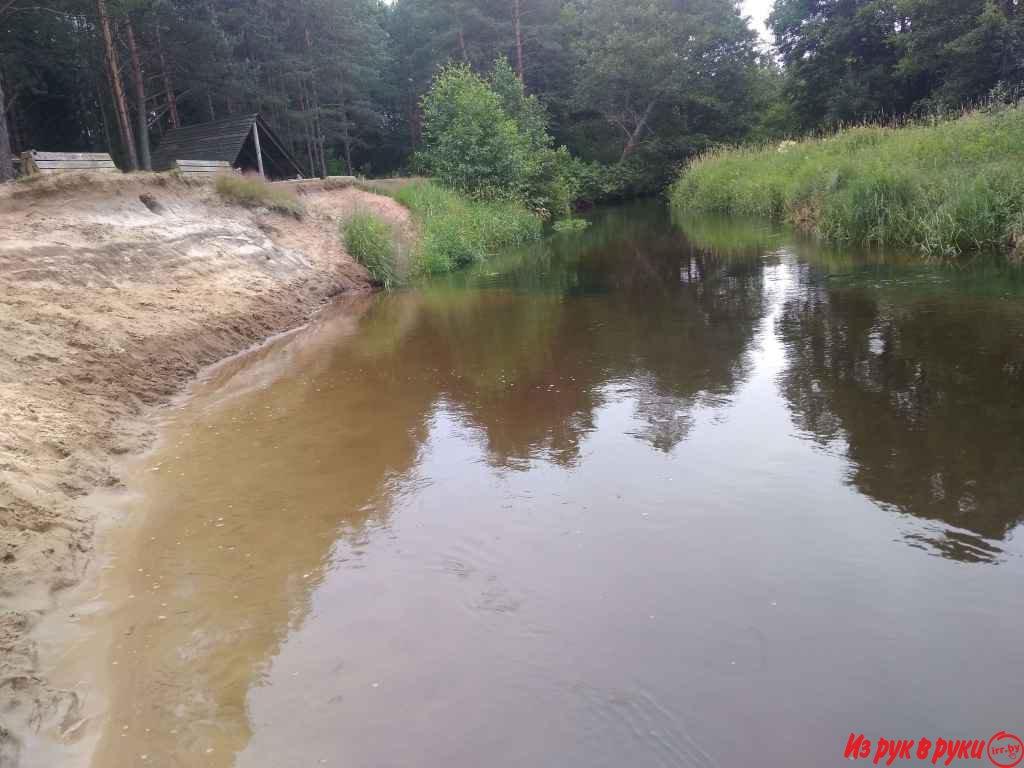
(655, 494)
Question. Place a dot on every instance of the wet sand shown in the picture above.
(161, 658)
(109, 306)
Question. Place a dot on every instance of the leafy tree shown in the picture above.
(489, 138)
(850, 60)
(470, 142)
(957, 52)
(547, 181)
(666, 77)
(841, 59)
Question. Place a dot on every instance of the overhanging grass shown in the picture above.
(455, 231)
(571, 224)
(254, 192)
(945, 188)
(371, 242)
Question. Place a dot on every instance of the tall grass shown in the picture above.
(254, 192)
(455, 230)
(943, 187)
(371, 242)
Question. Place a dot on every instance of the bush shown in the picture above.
(489, 140)
(254, 192)
(470, 143)
(455, 230)
(596, 183)
(945, 188)
(370, 241)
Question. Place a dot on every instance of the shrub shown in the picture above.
(594, 183)
(370, 241)
(489, 140)
(456, 230)
(470, 143)
(254, 192)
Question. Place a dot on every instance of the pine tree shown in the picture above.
(117, 84)
(6, 161)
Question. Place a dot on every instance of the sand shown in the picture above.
(114, 292)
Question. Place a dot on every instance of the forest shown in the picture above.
(630, 90)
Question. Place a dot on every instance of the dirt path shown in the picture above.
(113, 293)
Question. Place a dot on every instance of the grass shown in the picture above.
(570, 225)
(944, 187)
(254, 192)
(371, 242)
(386, 187)
(455, 231)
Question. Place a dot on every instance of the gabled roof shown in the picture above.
(217, 140)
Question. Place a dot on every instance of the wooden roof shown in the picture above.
(218, 140)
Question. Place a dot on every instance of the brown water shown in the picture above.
(645, 496)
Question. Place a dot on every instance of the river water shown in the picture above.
(657, 494)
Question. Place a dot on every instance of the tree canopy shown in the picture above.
(632, 90)
(853, 60)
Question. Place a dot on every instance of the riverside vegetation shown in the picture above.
(943, 187)
(370, 241)
(497, 176)
(453, 230)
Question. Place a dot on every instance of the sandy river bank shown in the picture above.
(113, 293)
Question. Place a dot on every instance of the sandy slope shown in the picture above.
(108, 305)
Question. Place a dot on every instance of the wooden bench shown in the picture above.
(203, 169)
(45, 163)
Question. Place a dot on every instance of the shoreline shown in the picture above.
(82, 641)
(109, 309)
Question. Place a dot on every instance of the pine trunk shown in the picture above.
(346, 139)
(117, 86)
(17, 134)
(519, 40)
(414, 117)
(6, 160)
(172, 100)
(108, 137)
(315, 96)
(307, 128)
(140, 99)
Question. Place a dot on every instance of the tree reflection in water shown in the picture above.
(926, 392)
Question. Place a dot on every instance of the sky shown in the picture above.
(758, 11)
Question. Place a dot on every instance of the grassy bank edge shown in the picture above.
(452, 231)
(944, 188)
